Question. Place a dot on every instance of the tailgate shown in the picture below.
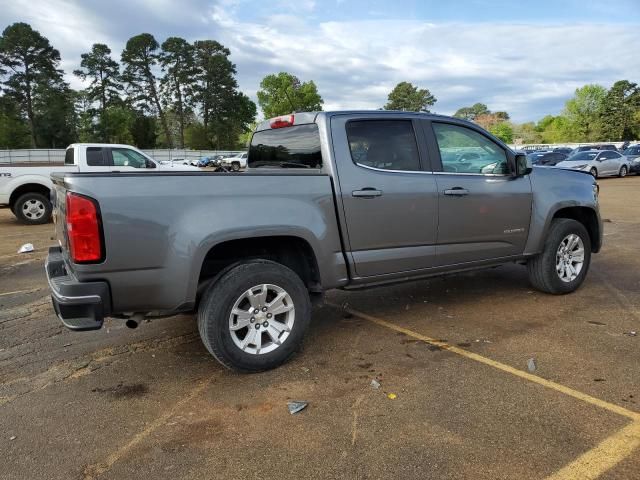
(58, 199)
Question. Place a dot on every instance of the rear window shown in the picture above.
(69, 157)
(95, 158)
(289, 147)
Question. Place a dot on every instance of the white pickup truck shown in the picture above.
(235, 163)
(26, 189)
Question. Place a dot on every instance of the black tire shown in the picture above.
(623, 171)
(594, 172)
(542, 268)
(235, 166)
(219, 298)
(33, 218)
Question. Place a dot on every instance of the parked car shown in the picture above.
(26, 190)
(236, 162)
(567, 150)
(633, 156)
(606, 146)
(547, 159)
(600, 163)
(584, 148)
(249, 252)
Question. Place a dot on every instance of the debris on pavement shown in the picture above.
(296, 406)
(392, 396)
(375, 384)
(632, 333)
(531, 365)
(12, 438)
(26, 248)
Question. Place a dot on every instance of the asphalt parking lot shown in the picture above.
(456, 399)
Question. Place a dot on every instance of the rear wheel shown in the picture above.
(623, 171)
(33, 208)
(564, 262)
(253, 317)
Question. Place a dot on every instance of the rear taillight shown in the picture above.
(83, 229)
(281, 122)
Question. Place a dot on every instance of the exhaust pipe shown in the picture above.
(134, 320)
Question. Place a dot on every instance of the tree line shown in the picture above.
(174, 94)
(593, 114)
(185, 95)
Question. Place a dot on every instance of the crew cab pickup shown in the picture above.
(26, 189)
(330, 200)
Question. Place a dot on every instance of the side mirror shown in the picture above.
(523, 165)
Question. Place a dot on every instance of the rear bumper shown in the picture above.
(79, 305)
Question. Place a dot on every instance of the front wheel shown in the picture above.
(254, 316)
(33, 208)
(563, 264)
(594, 172)
(623, 171)
(235, 166)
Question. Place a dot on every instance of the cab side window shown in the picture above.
(464, 150)
(383, 144)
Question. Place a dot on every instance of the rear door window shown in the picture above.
(96, 157)
(288, 147)
(383, 144)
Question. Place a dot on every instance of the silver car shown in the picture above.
(600, 163)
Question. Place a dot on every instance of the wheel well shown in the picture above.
(28, 188)
(293, 252)
(588, 218)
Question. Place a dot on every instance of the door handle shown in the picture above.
(367, 192)
(457, 191)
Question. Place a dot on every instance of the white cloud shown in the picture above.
(524, 69)
(528, 70)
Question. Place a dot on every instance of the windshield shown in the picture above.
(289, 147)
(632, 151)
(582, 156)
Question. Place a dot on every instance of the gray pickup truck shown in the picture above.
(330, 200)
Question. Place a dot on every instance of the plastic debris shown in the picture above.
(632, 333)
(296, 406)
(531, 365)
(392, 396)
(375, 384)
(12, 438)
(26, 248)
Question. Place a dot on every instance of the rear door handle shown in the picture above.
(367, 193)
(457, 191)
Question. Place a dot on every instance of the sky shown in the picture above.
(523, 57)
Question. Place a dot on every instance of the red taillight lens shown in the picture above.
(281, 122)
(83, 229)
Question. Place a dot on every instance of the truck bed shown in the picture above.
(158, 227)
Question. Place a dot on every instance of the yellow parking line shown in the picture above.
(590, 465)
(604, 456)
(501, 366)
